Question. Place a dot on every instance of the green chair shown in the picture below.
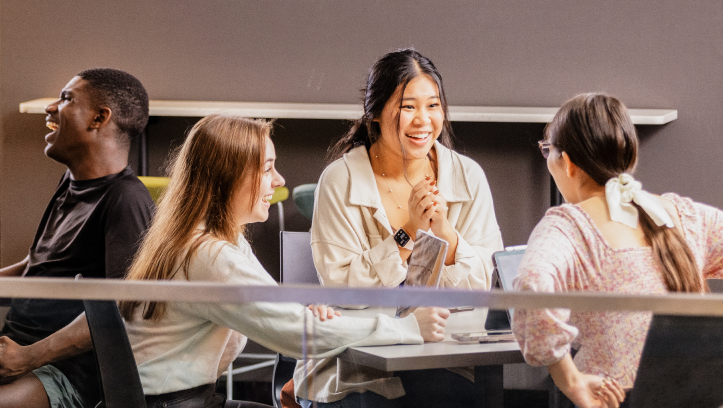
(155, 185)
(304, 199)
(280, 195)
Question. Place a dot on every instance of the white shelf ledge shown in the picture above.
(351, 112)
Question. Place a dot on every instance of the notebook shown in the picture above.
(424, 265)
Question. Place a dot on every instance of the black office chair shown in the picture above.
(120, 383)
(682, 363)
(715, 285)
(283, 372)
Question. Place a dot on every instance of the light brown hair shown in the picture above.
(596, 132)
(219, 154)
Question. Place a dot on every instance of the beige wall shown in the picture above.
(650, 53)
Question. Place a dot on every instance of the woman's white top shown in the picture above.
(183, 350)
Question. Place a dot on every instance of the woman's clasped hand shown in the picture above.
(422, 206)
(428, 211)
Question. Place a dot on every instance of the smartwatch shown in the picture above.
(403, 239)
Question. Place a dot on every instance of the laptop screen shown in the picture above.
(506, 264)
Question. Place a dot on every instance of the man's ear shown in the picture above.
(571, 168)
(101, 118)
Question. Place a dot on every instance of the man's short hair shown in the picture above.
(124, 95)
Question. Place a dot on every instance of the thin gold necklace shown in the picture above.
(384, 176)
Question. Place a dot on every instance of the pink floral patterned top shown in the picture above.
(567, 252)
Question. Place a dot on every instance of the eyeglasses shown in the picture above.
(544, 146)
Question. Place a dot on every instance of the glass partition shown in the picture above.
(363, 344)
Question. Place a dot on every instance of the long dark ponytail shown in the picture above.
(385, 76)
(598, 135)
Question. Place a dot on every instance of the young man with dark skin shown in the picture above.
(91, 226)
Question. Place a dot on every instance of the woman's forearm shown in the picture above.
(565, 374)
(585, 390)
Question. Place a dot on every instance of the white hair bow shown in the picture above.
(621, 190)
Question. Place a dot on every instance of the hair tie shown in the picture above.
(621, 190)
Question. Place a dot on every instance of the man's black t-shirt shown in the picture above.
(90, 227)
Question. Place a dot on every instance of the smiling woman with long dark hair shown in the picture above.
(392, 174)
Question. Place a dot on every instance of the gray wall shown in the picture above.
(650, 53)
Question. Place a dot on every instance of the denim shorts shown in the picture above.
(61, 393)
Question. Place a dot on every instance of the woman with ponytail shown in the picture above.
(392, 174)
(610, 236)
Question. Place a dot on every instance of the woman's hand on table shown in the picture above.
(431, 321)
(324, 312)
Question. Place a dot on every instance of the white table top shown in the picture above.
(445, 354)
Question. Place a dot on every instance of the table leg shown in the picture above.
(488, 386)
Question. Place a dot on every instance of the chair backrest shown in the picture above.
(304, 199)
(297, 266)
(682, 363)
(280, 194)
(155, 185)
(121, 385)
(715, 285)
(283, 372)
(297, 263)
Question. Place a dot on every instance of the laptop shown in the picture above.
(507, 265)
(497, 326)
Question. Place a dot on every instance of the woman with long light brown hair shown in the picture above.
(610, 236)
(221, 181)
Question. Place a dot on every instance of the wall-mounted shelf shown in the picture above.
(351, 111)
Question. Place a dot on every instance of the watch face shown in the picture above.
(401, 237)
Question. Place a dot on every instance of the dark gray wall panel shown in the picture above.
(650, 53)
